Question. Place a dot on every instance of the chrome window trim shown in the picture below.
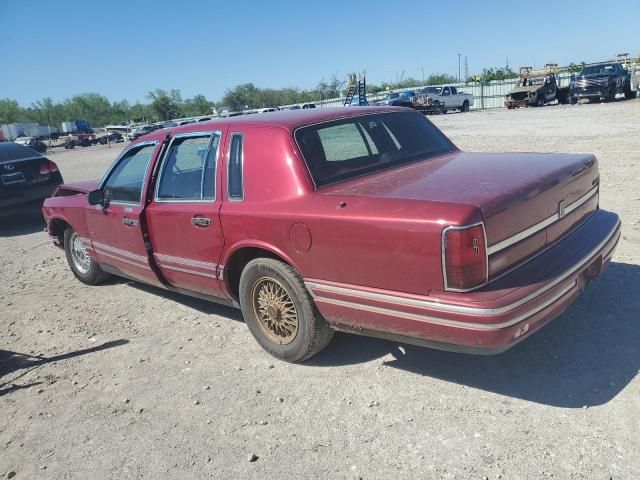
(229, 197)
(496, 247)
(211, 134)
(447, 307)
(117, 161)
(444, 267)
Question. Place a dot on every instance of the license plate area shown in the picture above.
(11, 178)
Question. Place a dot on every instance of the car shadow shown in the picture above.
(11, 362)
(203, 306)
(25, 224)
(585, 357)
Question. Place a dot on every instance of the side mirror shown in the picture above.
(96, 197)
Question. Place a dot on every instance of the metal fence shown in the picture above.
(486, 95)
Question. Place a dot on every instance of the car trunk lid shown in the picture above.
(527, 200)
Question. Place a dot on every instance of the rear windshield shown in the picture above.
(355, 146)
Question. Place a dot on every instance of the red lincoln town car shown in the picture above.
(361, 220)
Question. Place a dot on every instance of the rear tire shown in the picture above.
(280, 312)
(628, 93)
(83, 267)
(465, 106)
(611, 95)
(540, 101)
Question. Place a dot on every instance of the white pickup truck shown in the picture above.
(445, 98)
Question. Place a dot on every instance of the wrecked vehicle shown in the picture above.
(442, 99)
(601, 82)
(537, 88)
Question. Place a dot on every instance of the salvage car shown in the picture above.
(397, 99)
(366, 220)
(448, 97)
(33, 143)
(26, 179)
(537, 88)
(601, 81)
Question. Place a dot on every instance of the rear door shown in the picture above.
(116, 236)
(183, 218)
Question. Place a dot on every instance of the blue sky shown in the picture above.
(123, 49)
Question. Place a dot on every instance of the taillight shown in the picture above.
(47, 168)
(464, 256)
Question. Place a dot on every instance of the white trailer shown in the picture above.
(69, 127)
(40, 131)
(12, 131)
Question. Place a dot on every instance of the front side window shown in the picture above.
(124, 183)
(351, 147)
(235, 185)
(445, 92)
(188, 170)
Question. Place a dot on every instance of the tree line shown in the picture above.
(169, 104)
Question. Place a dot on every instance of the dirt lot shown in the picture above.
(128, 381)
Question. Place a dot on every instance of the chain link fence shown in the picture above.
(486, 95)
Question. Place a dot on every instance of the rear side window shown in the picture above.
(235, 185)
(454, 91)
(124, 183)
(188, 170)
(351, 147)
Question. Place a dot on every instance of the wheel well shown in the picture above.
(58, 227)
(239, 260)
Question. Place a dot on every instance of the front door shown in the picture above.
(183, 218)
(114, 228)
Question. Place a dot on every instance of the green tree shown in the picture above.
(10, 111)
(198, 105)
(573, 68)
(165, 105)
(502, 73)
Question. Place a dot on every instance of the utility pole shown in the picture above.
(466, 68)
(459, 55)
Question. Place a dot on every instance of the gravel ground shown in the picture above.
(128, 381)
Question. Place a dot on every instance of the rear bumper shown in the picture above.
(486, 321)
(23, 200)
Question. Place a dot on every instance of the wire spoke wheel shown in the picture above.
(79, 254)
(274, 310)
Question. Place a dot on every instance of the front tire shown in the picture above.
(540, 101)
(280, 312)
(83, 267)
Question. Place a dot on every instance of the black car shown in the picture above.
(398, 99)
(601, 81)
(26, 179)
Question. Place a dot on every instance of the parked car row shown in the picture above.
(594, 83)
(440, 99)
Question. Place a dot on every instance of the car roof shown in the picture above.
(11, 152)
(285, 119)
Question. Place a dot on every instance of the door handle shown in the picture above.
(129, 222)
(201, 221)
